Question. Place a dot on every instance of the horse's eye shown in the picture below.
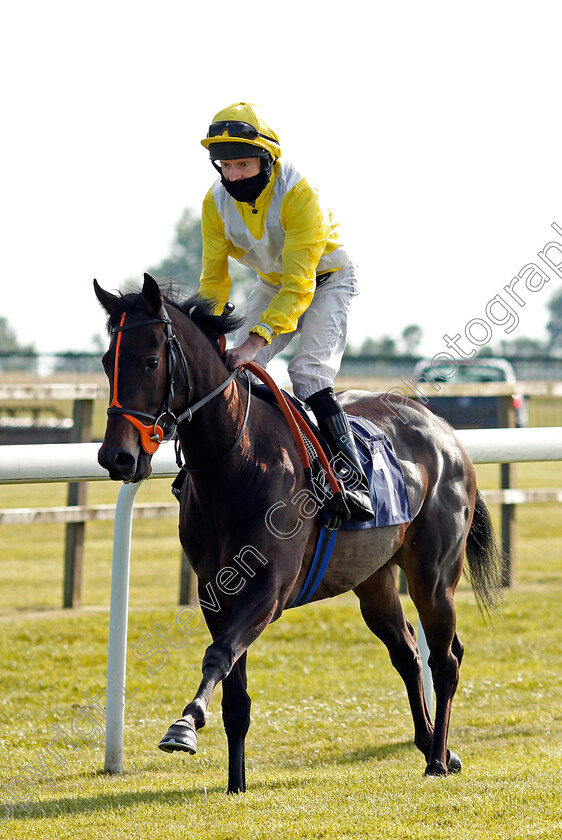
(152, 363)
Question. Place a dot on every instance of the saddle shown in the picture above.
(313, 450)
(387, 487)
(389, 496)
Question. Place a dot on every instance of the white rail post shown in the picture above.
(426, 670)
(118, 619)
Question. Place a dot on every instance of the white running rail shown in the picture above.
(78, 462)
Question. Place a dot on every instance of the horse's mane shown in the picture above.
(196, 307)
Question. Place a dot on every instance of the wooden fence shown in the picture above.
(30, 470)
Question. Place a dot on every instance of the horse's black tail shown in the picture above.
(485, 559)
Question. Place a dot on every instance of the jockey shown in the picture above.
(264, 214)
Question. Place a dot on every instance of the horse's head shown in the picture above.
(141, 364)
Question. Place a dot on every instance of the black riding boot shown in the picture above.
(347, 466)
(334, 425)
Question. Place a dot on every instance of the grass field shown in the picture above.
(330, 753)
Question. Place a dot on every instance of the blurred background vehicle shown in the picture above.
(471, 410)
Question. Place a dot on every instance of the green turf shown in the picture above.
(329, 751)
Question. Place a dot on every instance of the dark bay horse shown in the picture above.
(251, 544)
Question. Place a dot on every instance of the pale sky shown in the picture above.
(433, 129)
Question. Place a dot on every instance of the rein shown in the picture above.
(187, 415)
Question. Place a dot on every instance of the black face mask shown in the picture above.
(247, 189)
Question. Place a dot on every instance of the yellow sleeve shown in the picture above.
(215, 280)
(307, 230)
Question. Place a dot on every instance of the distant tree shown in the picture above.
(412, 336)
(77, 362)
(349, 350)
(384, 346)
(523, 347)
(554, 326)
(98, 343)
(183, 266)
(9, 342)
(13, 355)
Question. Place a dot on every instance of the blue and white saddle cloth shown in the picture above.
(387, 486)
(389, 497)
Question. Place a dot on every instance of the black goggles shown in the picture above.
(237, 129)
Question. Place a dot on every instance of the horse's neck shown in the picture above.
(215, 426)
(212, 433)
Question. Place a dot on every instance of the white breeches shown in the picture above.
(322, 331)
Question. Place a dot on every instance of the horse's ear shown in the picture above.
(152, 294)
(107, 300)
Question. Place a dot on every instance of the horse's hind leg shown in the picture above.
(444, 661)
(432, 586)
(383, 614)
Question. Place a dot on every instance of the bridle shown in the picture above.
(153, 429)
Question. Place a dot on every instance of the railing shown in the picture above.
(78, 462)
(76, 430)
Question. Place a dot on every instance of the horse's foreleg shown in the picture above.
(182, 735)
(382, 611)
(233, 629)
(236, 718)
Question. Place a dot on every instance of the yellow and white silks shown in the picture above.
(289, 239)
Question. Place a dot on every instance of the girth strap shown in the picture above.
(320, 562)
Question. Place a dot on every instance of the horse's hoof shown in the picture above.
(181, 736)
(435, 769)
(454, 764)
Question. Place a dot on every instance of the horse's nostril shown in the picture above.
(124, 461)
(119, 463)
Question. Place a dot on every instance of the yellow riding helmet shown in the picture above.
(241, 123)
